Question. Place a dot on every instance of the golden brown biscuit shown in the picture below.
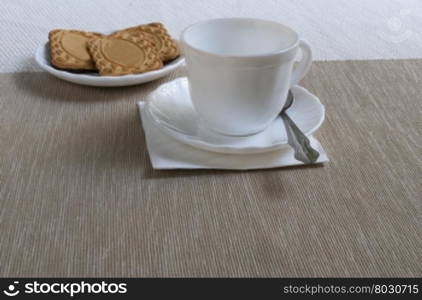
(123, 54)
(156, 33)
(69, 49)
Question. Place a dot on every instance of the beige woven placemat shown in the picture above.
(79, 197)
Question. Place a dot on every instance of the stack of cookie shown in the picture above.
(129, 51)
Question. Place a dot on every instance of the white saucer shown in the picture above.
(171, 110)
(42, 57)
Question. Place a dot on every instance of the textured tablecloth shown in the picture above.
(79, 197)
(337, 29)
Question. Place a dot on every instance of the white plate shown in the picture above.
(42, 56)
(170, 108)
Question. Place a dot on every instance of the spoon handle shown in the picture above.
(299, 142)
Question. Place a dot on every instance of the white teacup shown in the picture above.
(240, 70)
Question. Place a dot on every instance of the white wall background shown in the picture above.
(337, 29)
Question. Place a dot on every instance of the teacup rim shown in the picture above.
(249, 56)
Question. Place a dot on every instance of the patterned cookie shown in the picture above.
(69, 50)
(123, 54)
(156, 33)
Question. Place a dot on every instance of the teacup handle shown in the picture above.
(304, 65)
